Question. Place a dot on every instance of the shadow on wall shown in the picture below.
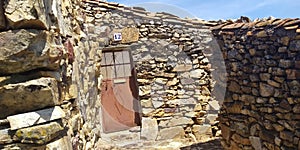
(209, 145)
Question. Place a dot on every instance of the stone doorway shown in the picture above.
(119, 95)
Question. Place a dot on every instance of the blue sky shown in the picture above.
(221, 9)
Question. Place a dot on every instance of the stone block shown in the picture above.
(25, 50)
(171, 133)
(149, 129)
(202, 132)
(130, 35)
(28, 96)
(182, 68)
(40, 134)
(37, 117)
(37, 14)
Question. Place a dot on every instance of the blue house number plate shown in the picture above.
(117, 36)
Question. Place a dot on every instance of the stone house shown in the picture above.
(88, 74)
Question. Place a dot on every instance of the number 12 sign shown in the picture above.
(117, 36)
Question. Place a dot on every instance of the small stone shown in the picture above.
(197, 73)
(211, 119)
(182, 68)
(287, 135)
(273, 83)
(255, 142)
(240, 139)
(266, 90)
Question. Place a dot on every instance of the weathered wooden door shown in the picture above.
(119, 92)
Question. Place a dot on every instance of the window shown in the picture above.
(116, 64)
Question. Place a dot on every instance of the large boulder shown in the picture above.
(25, 50)
(28, 96)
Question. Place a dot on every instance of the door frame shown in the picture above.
(134, 76)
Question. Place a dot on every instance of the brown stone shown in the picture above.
(292, 74)
(261, 34)
(235, 107)
(266, 90)
(40, 134)
(287, 135)
(28, 96)
(240, 139)
(29, 13)
(294, 87)
(129, 35)
(171, 133)
(25, 50)
(226, 132)
(267, 136)
(255, 142)
(234, 87)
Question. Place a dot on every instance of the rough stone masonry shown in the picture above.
(51, 74)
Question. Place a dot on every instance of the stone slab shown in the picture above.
(171, 133)
(40, 134)
(28, 96)
(149, 129)
(33, 118)
(28, 13)
(26, 50)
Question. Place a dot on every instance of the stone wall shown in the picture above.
(261, 107)
(36, 56)
(172, 58)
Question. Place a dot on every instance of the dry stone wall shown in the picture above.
(36, 56)
(173, 73)
(261, 106)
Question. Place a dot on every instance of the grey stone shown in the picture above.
(37, 117)
(197, 73)
(5, 136)
(255, 142)
(211, 118)
(214, 105)
(149, 129)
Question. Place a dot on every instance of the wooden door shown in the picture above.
(119, 92)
